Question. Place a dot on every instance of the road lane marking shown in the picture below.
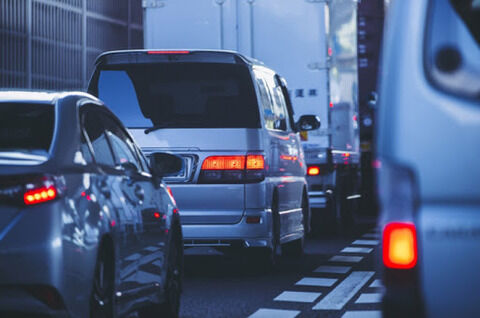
(294, 296)
(356, 250)
(346, 259)
(314, 281)
(371, 235)
(344, 291)
(376, 283)
(369, 298)
(274, 313)
(333, 269)
(151, 249)
(365, 242)
(363, 314)
(133, 257)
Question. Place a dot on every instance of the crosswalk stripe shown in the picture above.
(371, 235)
(333, 269)
(344, 291)
(376, 283)
(315, 281)
(151, 248)
(369, 298)
(274, 313)
(357, 250)
(301, 297)
(363, 314)
(346, 259)
(365, 242)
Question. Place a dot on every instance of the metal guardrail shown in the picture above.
(52, 44)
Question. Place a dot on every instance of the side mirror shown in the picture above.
(308, 122)
(129, 168)
(164, 164)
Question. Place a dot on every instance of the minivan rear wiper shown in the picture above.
(156, 127)
(181, 124)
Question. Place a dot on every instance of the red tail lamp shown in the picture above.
(400, 245)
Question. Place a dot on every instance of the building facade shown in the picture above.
(52, 44)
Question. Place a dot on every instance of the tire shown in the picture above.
(170, 308)
(102, 298)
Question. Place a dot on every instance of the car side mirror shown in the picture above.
(129, 168)
(164, 164)
(308, 122)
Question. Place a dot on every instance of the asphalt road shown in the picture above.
(329, 281)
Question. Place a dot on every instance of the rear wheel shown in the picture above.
(101, 300)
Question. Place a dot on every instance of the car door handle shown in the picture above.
(139, 192)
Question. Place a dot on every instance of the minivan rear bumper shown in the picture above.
(228, 235)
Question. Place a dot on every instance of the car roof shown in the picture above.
(38, 96)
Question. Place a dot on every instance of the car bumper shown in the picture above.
(318, 199)
(229, 235)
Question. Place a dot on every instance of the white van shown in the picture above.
(428, 143)
(230, 118)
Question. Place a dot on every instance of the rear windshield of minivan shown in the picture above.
(26, 127)
(180, 95)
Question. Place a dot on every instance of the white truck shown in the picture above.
(292, 37)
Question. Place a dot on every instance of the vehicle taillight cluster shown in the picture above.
(400, 245)
(30, 190)
(233, 169)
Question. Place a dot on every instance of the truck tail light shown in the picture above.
(313, 170)
(233, 169)
(400, 245)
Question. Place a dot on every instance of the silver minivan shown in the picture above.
(231, 120)
(429, 148)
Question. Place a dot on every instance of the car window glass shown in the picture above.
(121, 144)
(96, 133)
(85, 149)
(453, 46)
(267, 108)
(276, 112)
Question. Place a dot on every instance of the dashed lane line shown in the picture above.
(357, 250)
(315, 281)
(369, 298)
(365, 242)
(294, 296)
(362, 314)
(377, 283)
(346, 259)
(333, 269)
(274, 313)
(344, 291)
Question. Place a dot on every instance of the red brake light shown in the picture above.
(168, 52)
(224, 163)
(313, 171)
(400, 245)
(40, 195)
(255, 162)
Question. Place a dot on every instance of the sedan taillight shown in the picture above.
(30, 190)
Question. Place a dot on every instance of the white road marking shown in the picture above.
(302, 297)
(371, 235)
(357, 250)
(333, 269)
(346, 259)
(151, 249)
(314, 281)
(376, 283)
(365, 242)
(369, 298)
(145, 278)
(274, 313)
(363, 314)
(133, 257)
(344, 291)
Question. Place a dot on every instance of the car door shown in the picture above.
(143, 194)
(108, 183)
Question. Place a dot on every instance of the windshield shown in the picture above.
(180, 95)
(26, 127)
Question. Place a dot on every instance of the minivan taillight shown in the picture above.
(30, 190)
(399, 245)
(233, 169)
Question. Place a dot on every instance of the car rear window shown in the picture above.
(180, 95)
(26, 127)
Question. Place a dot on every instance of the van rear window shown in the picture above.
(180, 95)
(26, 127)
